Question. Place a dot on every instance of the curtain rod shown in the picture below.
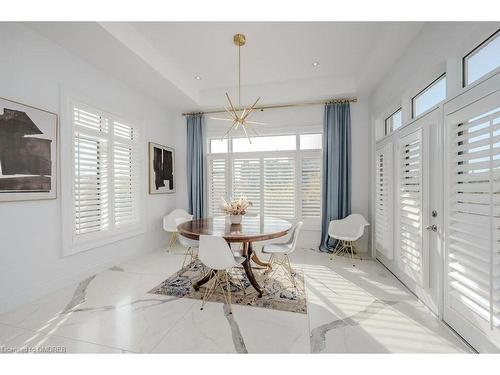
(276, 106)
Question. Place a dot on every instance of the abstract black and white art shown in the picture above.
(161, 169)
(28, 152)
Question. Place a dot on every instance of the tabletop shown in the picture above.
(252, 228)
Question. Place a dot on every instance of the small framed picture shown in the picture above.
(161, 169)
(28, 152)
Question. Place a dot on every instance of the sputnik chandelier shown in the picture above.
(239, 116)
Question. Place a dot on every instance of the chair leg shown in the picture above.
(210, 289)
(228, 293)
(189, 252)
(173, 239)
(292, 278)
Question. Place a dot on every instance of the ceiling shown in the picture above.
(162, 59)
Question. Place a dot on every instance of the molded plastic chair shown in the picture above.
(347, 231)
(188, 243)
(215, 253)
(279, 253)
(170, 223)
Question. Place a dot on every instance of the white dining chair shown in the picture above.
(280, 254)
(347, 231)
(190, 244)
(170, 223)
(215, 253)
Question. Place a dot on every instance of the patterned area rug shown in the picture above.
(279, 292)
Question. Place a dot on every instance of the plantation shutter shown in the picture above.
(91, 176)
(384, 201)
(279, 187)
(247, 181)
(473, 270)
(106, 186)
(217, 184)
(410, 207)
(310, 176)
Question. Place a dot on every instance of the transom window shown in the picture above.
(280, 175)
(482, 60)
(429, 96)
(393, 122)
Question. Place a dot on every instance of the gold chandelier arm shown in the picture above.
(251, 109)
(256, 123)
(245, 130)
(221, 119)
(231, 104)
(229, 130)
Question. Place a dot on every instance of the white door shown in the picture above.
(472, 256)
(415, 199)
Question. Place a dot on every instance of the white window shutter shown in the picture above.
(91, 184)
(384, 179)
(474, 219)
(411, 241)
(279, 187)
(217, 171)
(310, 176)
(107, 168)
(247, 181)
(126, 175)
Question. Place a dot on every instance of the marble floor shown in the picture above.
(353, 306)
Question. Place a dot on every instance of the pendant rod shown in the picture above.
(239, 76)
(277, 106)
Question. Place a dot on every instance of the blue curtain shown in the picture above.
(336, 169)
(195, 164)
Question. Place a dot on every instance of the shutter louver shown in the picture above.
(246, 182)
(474, 219)
(311, 186)
(279, 187)
(217, 188)
(410, 206)
(383, 201)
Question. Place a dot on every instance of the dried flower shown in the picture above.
(236, 206)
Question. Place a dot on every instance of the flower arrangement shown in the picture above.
(236, 206)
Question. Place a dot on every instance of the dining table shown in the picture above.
(251, 229)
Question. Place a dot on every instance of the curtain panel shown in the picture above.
(336, 189)
(195, 164)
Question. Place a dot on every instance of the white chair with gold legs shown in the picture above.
(170, 223)
(347, 231)
(280, 254)
(189, 244)
(215, 253)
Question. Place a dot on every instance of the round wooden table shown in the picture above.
(251, 229)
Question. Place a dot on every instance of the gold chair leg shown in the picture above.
(173, 239)
(290, 270)
(228, 299)
(189, 251)
(210, 289)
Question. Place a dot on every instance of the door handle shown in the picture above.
(432, 227)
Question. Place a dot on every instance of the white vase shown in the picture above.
(235, 219)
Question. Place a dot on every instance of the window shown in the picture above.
(218, 146)
(278, 178)
(482, 60)
(310, 141)
(393, 122)
(430, 96)
(274, 143)
(105, 174)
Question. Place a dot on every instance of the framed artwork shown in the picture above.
(28, 152)
(161, 169)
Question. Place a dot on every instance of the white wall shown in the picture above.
(33, 70)
(303, 119)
